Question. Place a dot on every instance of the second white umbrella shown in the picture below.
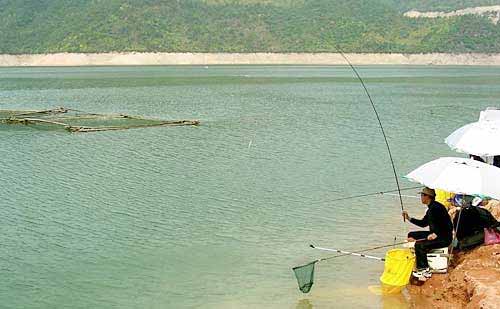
(480, 138)
(459, 175)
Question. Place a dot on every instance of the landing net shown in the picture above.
(305, 276)
(79, 121)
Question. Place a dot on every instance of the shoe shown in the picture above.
(422, 274)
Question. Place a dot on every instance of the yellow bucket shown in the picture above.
(397, 270)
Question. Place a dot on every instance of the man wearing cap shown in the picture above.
(440, 232)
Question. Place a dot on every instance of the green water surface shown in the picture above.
(216, 216)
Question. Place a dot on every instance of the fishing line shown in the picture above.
(370, 194)
(380, 124)
(403, 195)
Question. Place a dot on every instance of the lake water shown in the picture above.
(216, 216)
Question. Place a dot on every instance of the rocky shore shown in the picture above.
(110, 59)
(472, 282)
(473, 279)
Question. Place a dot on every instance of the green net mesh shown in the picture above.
(305, 276)
(79, 121)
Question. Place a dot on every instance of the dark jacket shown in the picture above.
(473, 220)
(438, 221)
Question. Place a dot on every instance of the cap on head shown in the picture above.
(428, 191)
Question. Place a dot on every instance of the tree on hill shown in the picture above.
(47, 26)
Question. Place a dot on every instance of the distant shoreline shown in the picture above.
(135, 58)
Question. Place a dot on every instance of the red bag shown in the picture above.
(491, 237)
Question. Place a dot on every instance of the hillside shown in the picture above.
(49, 26)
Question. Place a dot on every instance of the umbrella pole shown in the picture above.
(455, 235)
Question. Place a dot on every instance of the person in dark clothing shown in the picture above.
(477, 158)
(473, 220)
(496, 161)
(440, 232)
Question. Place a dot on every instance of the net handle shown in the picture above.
(365, 250)
(348, 253)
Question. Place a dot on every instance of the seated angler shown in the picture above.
(440, 232)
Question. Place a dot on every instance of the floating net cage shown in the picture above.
(79, 121)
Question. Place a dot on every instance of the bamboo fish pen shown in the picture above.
(78, 121)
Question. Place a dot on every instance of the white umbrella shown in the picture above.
(480, 138)
(459, 175)
(491, 113)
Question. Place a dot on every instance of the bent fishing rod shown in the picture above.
(379, 122)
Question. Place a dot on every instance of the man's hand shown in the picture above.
(405, 215)
(432, 236)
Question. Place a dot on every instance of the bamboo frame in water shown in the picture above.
(19, 117)
(164, 123)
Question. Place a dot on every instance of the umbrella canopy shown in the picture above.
(480, 138)
(491, 113)
(459, 175)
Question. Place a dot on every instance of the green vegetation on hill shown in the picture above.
(46, 26)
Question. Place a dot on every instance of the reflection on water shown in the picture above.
(304, 304)
(395, 301)
(358, 297)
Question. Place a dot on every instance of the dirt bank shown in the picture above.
(75, 59)
(473, 282)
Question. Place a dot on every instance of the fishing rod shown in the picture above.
(370, 194)
(305, 273)
(380, 124)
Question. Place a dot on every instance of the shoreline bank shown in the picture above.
(134, 58)
(472, 282)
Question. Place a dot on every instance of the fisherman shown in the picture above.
(440, 232)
